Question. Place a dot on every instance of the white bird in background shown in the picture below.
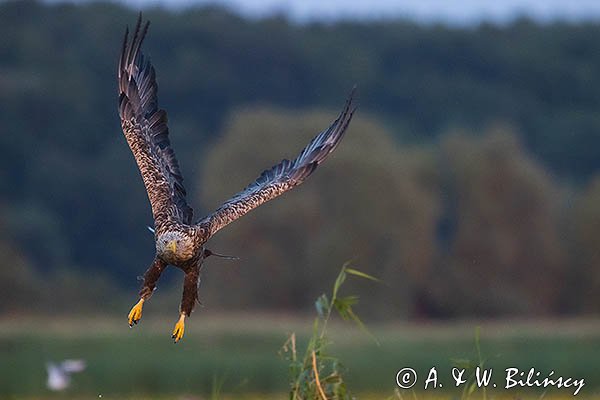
(59, 375)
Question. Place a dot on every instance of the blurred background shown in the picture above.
(469, 182)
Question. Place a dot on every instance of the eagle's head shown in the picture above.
(175, 246)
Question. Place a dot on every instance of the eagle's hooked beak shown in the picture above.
(172, 246)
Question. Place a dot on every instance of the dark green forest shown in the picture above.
(468, 181)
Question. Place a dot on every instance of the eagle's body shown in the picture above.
(180, 241)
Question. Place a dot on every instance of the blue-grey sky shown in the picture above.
(453, 12)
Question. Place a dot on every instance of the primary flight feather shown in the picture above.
(180, 241)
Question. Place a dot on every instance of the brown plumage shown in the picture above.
(179, 241)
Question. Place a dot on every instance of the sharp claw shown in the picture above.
(136, 313)
(179, 329)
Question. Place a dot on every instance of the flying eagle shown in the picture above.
(180, 241)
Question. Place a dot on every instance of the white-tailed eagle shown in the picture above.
(180, 240)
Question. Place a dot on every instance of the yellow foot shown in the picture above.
(179, 328)
(136, 313)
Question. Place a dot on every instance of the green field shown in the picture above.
(242, 353)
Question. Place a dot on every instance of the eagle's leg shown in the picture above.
(150, 278)
(188, 300)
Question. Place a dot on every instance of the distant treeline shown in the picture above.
(471, 187)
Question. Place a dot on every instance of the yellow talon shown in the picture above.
(136, 313)
(179, 328)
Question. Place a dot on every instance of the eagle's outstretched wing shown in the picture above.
(282, 177)
(145, 128)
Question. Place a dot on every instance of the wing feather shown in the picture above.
(145, 128)
(283, 176)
